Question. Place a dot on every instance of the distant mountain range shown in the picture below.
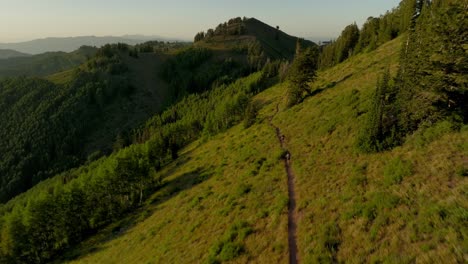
(70, 44)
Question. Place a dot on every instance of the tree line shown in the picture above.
(233, 27)
(374, 32)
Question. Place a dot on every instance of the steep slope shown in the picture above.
(224, 199)
(57, 126)
(102, 191)
(399, 206)
(277, 43)
(404, 205)
(96, 104)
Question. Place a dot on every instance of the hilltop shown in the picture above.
(240, 33)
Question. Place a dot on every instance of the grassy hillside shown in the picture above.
(404, 205)
(225, 198)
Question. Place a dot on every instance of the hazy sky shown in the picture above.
(29, 19)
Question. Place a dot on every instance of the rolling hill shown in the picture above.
(8, 53)
(44, 64)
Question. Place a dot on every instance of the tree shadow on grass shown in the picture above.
(168, 190)
(326, 87)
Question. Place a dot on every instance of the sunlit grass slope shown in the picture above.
(402, 206)
(225, 198)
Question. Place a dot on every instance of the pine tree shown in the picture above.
(432, 83)
(302, 72)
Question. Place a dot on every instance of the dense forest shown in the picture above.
(106, 166)
(46, 124)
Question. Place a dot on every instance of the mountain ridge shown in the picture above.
(69, 44)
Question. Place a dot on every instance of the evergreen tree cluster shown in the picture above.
(374, 32)
(301, 73)
(160, 46)
(431, 84)
(61, 214)
(379, 132)
(196, 70)
(234, 27)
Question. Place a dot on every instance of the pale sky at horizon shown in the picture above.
(22, 20)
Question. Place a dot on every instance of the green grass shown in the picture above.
(225, 198)
(212, 208)
(380, 201)
(61, 77)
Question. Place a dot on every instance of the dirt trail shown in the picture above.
(292, 213)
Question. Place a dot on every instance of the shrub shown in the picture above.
(251, 113)
(425, 136)
(243, 189)
(231, 244)
(462, 171)
(230, 251)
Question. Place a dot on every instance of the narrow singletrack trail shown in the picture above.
(292, 213)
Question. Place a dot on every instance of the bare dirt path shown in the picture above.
(292, 213)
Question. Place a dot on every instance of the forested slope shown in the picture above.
(84, 113)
